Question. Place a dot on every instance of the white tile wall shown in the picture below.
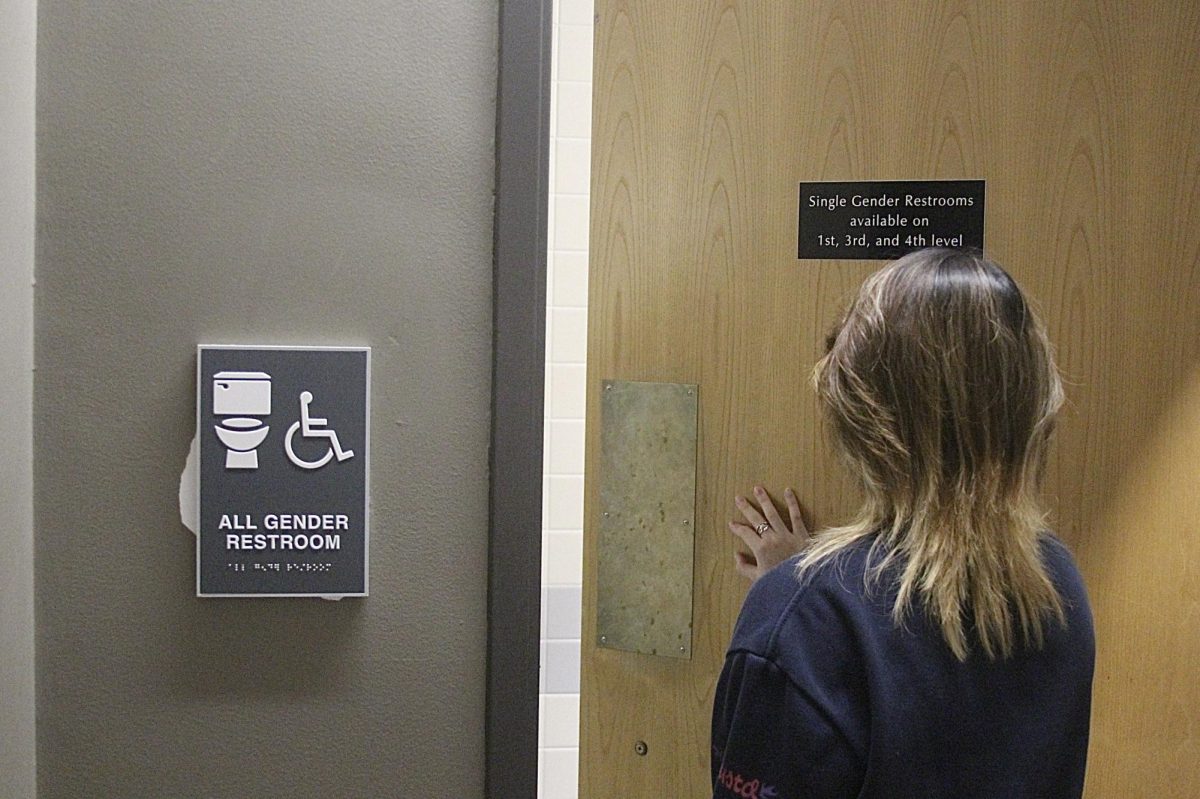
(573, 12)
(566, 354)
(567, 456)
(570, 222)
(562, 557)
(560, 721)
(567, 386)
(568, 273)
(574, 113)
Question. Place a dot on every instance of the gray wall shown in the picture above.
(17, 35)
(275, 172)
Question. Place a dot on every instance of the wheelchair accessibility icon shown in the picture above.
(313, 427)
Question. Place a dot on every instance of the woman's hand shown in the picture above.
(771, 541)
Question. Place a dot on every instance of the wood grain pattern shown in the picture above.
(1082, 118)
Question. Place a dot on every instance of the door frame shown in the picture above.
(518, 382)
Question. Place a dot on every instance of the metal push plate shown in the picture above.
(647, 517)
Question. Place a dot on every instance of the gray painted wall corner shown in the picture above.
(18, 25)
(305, 173)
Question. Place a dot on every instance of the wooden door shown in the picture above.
(1083, 117)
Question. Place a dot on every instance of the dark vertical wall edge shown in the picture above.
(518, 368)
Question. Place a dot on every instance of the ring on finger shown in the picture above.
(762, 528)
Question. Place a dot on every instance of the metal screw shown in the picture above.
(683, 649)
(687, 522)
(604, 639)
(690, 392)
(608, 387)
(641, 748)
(606, 513)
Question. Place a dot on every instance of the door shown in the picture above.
(1082, 118)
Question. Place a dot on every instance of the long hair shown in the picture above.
(941, 392)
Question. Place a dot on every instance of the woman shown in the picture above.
(939, 645)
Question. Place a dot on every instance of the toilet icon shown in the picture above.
(241, 396)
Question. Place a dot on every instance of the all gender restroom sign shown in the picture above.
(284, 451)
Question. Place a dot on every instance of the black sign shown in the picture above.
(284, 448)
(885, 219)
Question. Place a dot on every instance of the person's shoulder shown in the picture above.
(769, 600)
(1060, 562)
(1064, 573)
(780, 603)
(1053, 547)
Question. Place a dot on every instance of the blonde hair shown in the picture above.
(941, 391)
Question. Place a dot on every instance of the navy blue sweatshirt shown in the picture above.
(823, 696)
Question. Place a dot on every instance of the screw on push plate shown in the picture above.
(641, 748)
(604, 639)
